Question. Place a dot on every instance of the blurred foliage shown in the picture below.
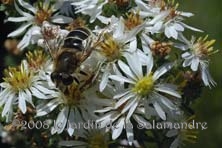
(208, 17)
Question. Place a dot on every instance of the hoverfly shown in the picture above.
(76, 48)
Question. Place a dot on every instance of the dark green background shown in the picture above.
(208, 17)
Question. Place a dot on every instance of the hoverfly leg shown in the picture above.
(76, 79)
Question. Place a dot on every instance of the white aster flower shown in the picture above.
(197, 57)
(19, 85)
(165, 18)
(33, 19)
(115, 44)
(144, 87)
(77, 107)
(135, 99)
(92, 8)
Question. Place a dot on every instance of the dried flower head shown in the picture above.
(161, 48)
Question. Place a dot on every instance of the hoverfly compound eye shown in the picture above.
(54, 76)
(66, 79)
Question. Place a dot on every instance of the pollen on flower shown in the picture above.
(110, 48)
(144, 86)
(42, 14)
(18, 78)
(36, 59)
(202, 47)
(133, 19)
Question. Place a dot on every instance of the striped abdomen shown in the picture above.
(75, 38)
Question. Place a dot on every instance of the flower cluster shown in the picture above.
(111, 62)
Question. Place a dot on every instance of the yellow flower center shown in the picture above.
(36, 59)
(97, 140)
(202, 47)
(133, 20)
(144, 86)
(110, 48)
(43, 14)
(18, 78)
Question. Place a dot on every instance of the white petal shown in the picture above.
(8, 105)
(159, 110)
(22, 12)
(187, 62)
(117, 130)
(129, 104)
(106, 109)
(62, 120)
(134, 64)
(104, 81)
(146, 41)
(20, 30)
(125, 68)
(165, 101)
(149, 65)
(28, 97)
(141, 120)
(44, 89)
(133, 45)
(191, 28)
(195, 63)
(121, 79)
(26, 39)
(206, 77)
(18, 19)
(179, 27)
(22, 104)
(186, 55)
(123, 100)
(142, 5)
(118, 33)
(37, 93)
(45, 109)
(27, 6)
(162, 70)
(106, 117)
(129, 133)
(71, 121)
(132, 110)
(121, 95)
(186, 14)
(166, 89)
